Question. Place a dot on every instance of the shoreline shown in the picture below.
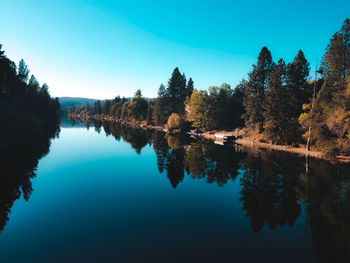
(290, 149)
(213, 136)
(277, 147)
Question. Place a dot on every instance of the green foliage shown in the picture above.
(198, 112)
(135, 109)
(221, 108)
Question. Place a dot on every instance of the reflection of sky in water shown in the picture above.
(95, 199)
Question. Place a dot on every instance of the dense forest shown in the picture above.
(279, 102)
(27, 112)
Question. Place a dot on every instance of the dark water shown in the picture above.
(119, 194)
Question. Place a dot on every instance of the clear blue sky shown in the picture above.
(102, 48)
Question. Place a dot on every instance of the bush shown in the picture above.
(175, 122)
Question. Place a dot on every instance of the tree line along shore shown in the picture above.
(278, 104)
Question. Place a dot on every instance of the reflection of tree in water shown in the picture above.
(136, 137)
(216, 163)
(107, 128)
(175, 166)
(98, 125)
(273, 188)
(18, 168)
(161, 149)
(326, 193)
(170, 156)
(268, 190)
(202, 159)
(87, 125)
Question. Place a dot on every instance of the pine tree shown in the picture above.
(44, 91)
(87, 107)
(23, 71)
(33, 86)
(138, 93)
(336, 61)
(98, 107)
(149, 113)
(190, 87)
(106, 107)
(176, 92)
(255, 89)
(171, 99)
(298, 90)
(276, 103)
(161, 110)
(161, 91)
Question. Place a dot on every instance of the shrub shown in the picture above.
(175, 122)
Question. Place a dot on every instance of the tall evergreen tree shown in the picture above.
(336, 61)
(87, 107)
(138, 93)
(97, 107)
(298, 90)
(176, 92)
(171, 99)
(161, 91)
(106, 107)
(255, 89)
(33, 87)
(149, 113)
(190, 87)
(160, 112)
(23, 71)
(276, 103)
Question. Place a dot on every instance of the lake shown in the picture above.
(110, 193)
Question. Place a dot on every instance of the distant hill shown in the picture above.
(67, 102)
(76, 101)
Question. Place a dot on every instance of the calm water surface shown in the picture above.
(117, 194)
